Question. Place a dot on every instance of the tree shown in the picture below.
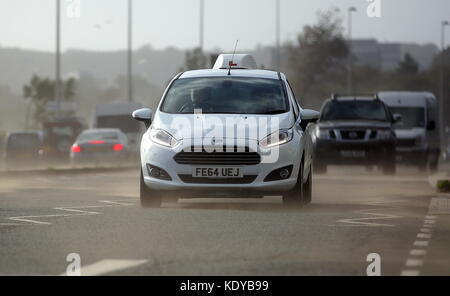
(42, 91)
(317, 60)
(407, 76)
(195, 59)
(408, 66)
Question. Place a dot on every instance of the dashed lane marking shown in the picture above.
(416, 260)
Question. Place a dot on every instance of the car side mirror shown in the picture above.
(144, 115)
(431, 125)
(308, 116)
(396, 118)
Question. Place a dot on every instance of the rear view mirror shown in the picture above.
(396, 118)
(144, 115)
(308, 116)
(431, 125)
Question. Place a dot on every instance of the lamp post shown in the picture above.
(441, 87)
(277, 35)
(58, 59)
(350, 52)
(201, 24)
(130, 52)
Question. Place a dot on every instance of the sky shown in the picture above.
(101, 24)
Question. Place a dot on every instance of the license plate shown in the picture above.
(217, 172)
(353, 154)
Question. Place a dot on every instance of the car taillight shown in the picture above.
(95, 142)
(118, 147)
(76, 149)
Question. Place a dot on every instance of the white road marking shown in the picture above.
(369, 221)
(73, 211)
(414, 263)
(108, 266)
(421, 243)
(424, 235)
(417, 252)
(410, 273)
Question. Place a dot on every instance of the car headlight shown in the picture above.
(163, 138)
(277, 138)
(322, 134)
(384, 134)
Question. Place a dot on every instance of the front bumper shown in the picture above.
(353, 152)
(181, 174)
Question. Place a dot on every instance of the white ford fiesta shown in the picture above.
(228, 131)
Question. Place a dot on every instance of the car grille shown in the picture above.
(406, 142)
(236, 157)
(194, 180)
(353, 135)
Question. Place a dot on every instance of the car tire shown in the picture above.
(294, 197)
(149, 198)
(307, 189)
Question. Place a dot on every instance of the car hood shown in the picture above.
(354, 124)
(181, 126)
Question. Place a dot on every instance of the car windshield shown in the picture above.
(226, 95)
(90, 136)
(411, 116)
(354, 110)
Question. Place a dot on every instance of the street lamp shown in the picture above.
(277, 34)
(201, 24)
(350, 54)
(441, 86)
(130, 51)
(58, 59)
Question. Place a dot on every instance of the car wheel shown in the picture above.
(294, 197)
(149, 198)
(307, 189)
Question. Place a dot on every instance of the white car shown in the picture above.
(227, 131)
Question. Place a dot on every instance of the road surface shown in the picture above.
(44, 217)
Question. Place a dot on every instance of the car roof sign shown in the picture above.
(238, 61)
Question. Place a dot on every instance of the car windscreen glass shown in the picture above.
(92, 136)
(354, 110)
(123, 122)
(22, 141)
(411, 116)
(234, 95)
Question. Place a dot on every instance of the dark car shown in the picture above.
(355, 130)
(23, 149)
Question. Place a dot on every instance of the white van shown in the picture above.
(418, 140)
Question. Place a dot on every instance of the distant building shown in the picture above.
(387, 56)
